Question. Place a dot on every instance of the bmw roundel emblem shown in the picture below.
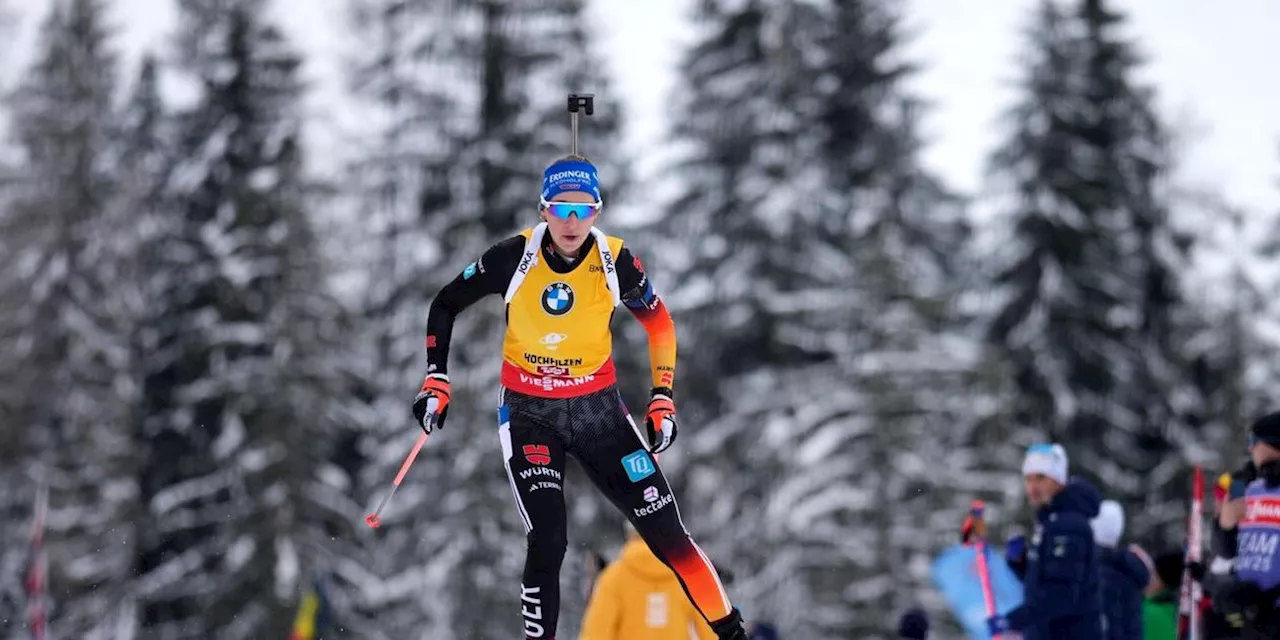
(557, 299)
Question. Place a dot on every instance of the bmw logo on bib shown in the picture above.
(557, 299)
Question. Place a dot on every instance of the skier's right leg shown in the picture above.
(534, 455)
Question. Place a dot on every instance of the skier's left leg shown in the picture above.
(610, 450)
(534, 454)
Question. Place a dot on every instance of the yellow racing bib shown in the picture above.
(558, 342)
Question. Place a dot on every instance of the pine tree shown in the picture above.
(1252, 322)
(63, 328)
(239, 428)
(1093, 309)
(745, 110)
(826, 269)
(1224, 337)
(434, 191)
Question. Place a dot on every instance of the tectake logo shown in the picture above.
(654, 507)
(553, 340)
(651, 494)
(469, 271)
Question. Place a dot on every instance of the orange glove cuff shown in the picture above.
(439, 388)
(660, 406)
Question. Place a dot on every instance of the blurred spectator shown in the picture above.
(763, 631)
(1160, 609)
(1122, 576)
(1063, 601)
(914, 624)
(594, 563)
(639, 598)
(1229, 509)
(1249, 601)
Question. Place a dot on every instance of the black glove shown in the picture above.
(1223, 542)
(1196, 571)
(660, 421)
(1238, 602)
(432, 402)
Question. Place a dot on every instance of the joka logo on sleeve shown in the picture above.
(638, 465)
(539, 454)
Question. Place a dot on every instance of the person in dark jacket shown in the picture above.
(1251, 601)
(914, 625)
(1122, 575)
(1062, 599)
(1219, 571)
(762, 631)
(1160, 609)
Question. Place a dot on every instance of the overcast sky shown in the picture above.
(1213, 63)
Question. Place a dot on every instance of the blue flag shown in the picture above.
(955, 574)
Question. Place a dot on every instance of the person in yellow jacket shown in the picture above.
(639, 598)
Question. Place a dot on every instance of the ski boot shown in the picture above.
(730, 628)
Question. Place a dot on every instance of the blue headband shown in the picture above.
(570, 175)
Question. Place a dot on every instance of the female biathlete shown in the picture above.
(561, 281)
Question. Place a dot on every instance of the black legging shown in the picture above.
(597, 430)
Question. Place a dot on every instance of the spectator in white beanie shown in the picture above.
(1062, 598)
(1122, 575)
(1108, 526)
(1044, 472)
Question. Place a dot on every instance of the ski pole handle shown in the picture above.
(984, 576)
(980, 546)
(374, 520)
